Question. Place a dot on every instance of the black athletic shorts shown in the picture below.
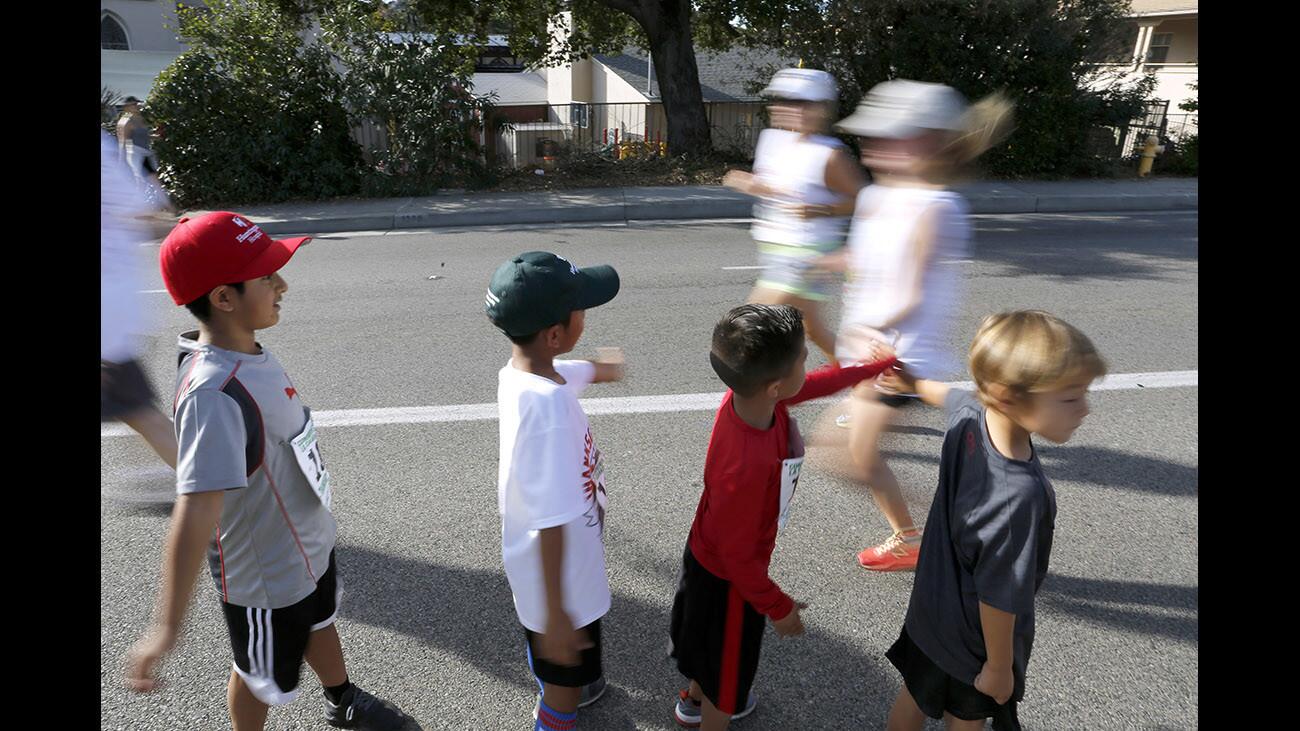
(715, 636)
(586, 672)
(269, 643)
(935, 691)
(123, 389)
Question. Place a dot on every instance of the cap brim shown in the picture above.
(599, 285)
(273, 258)
(782, 94)
(872, 126)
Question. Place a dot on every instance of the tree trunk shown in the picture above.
(667, 24)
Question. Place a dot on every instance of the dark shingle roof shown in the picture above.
(724, 76)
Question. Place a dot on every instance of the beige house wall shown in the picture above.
(608, 86)
(1180, 68)
(1185, 47)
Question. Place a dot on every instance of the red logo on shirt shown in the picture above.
(593, 476)
(290, 392)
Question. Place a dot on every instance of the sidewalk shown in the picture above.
(685, 202)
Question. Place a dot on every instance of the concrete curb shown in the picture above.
(651, 204)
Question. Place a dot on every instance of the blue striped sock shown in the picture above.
(549, 719)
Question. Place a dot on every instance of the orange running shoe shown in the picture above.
(895, 554)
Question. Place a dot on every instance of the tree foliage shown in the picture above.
(415, 86)
(1041, 53)
(108, 108)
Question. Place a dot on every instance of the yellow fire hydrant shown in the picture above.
(1149, 152)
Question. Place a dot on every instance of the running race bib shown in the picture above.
(307, 451)
(790, 469)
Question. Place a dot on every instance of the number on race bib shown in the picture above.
(307, 451)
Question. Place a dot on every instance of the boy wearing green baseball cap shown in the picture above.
(550, 481)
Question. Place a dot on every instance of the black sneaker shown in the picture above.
(360, 710)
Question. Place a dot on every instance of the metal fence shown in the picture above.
(617, 131)
(549, 133)
(1126, 141)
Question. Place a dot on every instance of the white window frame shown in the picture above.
(1169, 42)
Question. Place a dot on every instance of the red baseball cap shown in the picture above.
(219, 248)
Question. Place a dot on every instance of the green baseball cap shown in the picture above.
(538, 289)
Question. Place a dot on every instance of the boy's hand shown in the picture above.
(791, 624)
(144, 657)
(996, 683)
(876, 351)
(561, 643)
(899, 380)
(609, 365)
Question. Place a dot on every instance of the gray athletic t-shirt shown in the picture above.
(987, 539)
(236, 415)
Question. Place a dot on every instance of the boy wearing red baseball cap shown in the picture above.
(249, 470)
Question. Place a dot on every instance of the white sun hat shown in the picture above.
(900, 108)
(809, 85)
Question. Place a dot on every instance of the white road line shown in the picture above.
(760, 266)
(640, 404)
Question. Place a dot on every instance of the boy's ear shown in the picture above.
(1006, 398)
(552, 335)
(773, 389)
(222, 298)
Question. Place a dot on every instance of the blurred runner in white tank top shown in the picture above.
(907, 230)
(806, 182)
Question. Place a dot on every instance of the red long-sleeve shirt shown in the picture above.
(735, 524)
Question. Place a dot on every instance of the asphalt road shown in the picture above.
(427, 619)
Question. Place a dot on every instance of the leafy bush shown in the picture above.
(108, 108)
(1180, 156)
(255, 113)
(416, 87)
(1183, 155)
(251, 113)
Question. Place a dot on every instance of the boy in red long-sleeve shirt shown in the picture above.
(750, 473)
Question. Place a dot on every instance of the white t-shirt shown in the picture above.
(551, 474)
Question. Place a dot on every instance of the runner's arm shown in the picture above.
(828, 379)
(193, 521)
(844, 176)
(747, 183)
(933, 393)
(996, 678)
(736, 536)
(609, 365)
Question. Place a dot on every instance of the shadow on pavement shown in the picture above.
(475, 619)
(1162, 610)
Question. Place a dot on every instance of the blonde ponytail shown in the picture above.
(986, 123)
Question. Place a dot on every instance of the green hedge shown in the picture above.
(253, 113)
